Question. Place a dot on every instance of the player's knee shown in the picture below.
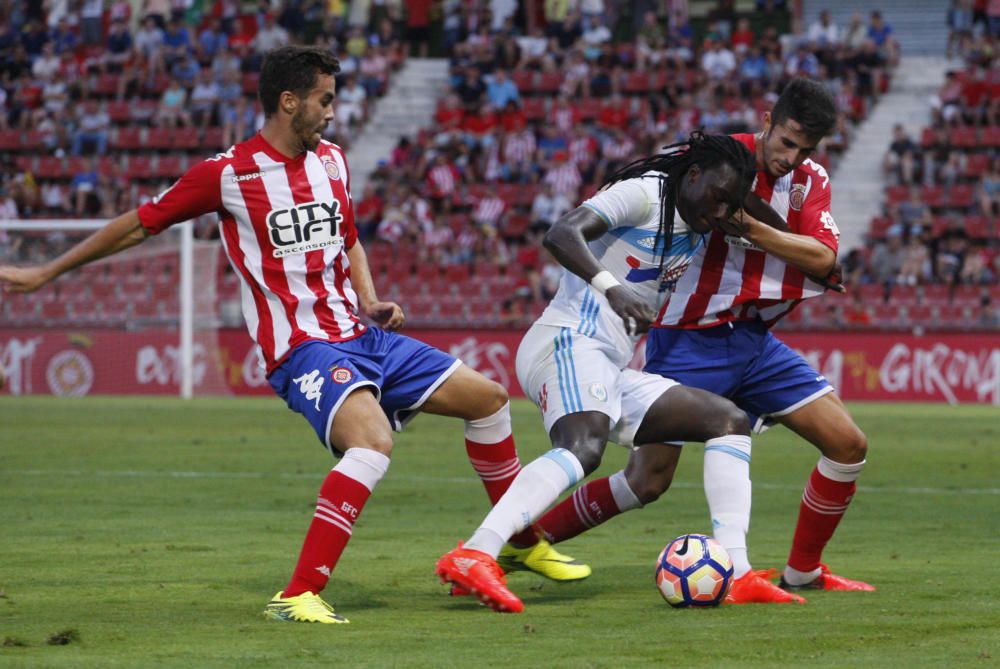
(379, 441)
(725, 418)
(490, 397)
(587, 451)
(647, 486)
(855, 447)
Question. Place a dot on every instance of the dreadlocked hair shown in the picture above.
(705, 151)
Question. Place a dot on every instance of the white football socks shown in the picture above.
(728, 490)
(532, 492)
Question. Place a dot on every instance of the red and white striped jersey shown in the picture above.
(730, 279)
(285, 224)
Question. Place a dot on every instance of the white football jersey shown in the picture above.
(631, 209)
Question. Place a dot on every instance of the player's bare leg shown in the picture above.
(826, 424)
(362, 433)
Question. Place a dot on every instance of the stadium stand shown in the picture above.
(535, 120)
(933, 259)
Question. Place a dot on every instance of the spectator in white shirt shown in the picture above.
(351, 103)
(718, 61)
(824, 33)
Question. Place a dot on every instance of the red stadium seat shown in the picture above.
(186, 139)
(106, 85)
(127, 139)
(896, 194)
(534, 108)
(120, 111)
(486, 271)
(879, 226)
(10, 140)
(524, 80)
(140, 167)
(637, 82)
(991, 136)
(589, 108)
(903, 295)
(935, 294)
(168, 167)
(961, 196)
(928, 138)
(457, 274)
(159, 138)
(213, 138)
(976, 165)
(50, 167)
(549, 82)
(516, 226)
(250, 81)
(932, 196)
(978, 227)
(966, 137)
(871, 293)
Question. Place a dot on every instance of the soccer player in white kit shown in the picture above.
(622, 249)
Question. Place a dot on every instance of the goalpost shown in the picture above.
(134, 307)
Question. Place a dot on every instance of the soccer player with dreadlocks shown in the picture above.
(622, 251)
(714, 333)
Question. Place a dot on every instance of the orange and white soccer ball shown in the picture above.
(694, 570)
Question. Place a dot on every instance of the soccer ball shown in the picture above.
(694, 570)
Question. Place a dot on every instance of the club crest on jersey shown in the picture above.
(797, 196)
(331, 168)
(341, 375)
(305, 227)
(598, 392)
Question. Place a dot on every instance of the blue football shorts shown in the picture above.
(742, 361)
(402, 372)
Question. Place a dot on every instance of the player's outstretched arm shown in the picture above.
(388, 315)
(567, 242)
(117, 235)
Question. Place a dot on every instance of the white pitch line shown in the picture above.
(125, 473)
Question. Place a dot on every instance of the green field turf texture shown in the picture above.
(156, 530)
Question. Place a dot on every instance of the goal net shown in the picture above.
(162, 317)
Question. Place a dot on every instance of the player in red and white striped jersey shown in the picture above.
(713, 334)
(287, 225)
(736, 288)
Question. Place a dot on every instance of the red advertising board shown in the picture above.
(953, 368)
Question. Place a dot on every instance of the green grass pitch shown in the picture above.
(155, 531)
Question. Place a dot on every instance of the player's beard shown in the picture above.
(307, 130)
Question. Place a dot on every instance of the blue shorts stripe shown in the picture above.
(560, 368)
(572, 369)
(560, 457)
(729, 450)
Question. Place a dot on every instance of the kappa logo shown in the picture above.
(311, 385)
(341, 375)
(305, 227)
(247, 177)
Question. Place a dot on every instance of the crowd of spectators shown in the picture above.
(92, 80)
(538, 117)
(542, 109)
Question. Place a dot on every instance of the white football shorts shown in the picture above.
(564, 372)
